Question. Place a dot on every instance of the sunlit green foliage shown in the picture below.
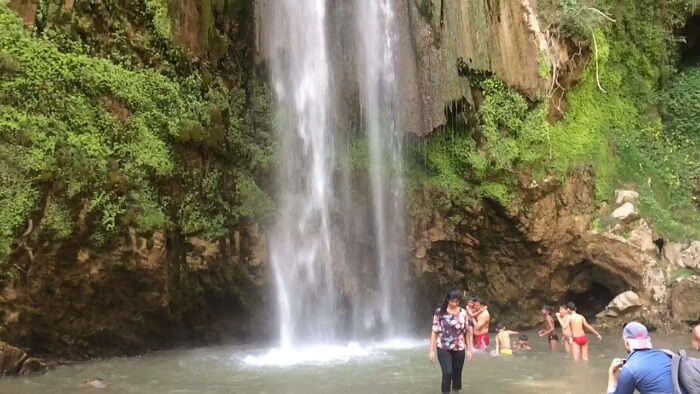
(481, 160)
(161, 19)
(75, 127)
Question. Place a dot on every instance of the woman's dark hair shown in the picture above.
(548, 308)
(523, 337)
(451, 295)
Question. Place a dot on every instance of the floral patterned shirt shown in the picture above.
(451, 329)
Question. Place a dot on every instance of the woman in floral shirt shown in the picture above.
(452, 335)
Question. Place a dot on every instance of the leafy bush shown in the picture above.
(481, 159)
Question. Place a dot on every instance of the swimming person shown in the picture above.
(579, 341)
(452, 335)
(503, 340)
(481, 326)
(563, 318)
(550, 330)
(523, 343)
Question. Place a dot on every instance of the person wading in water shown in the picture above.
(550, 330)
(563, 317)
(452, 336)
(482, 318)
(579, 340)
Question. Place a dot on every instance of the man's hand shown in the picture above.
(615, 365)
(431, 355)
(600, 338)
(540, 333)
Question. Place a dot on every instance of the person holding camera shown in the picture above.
(645, 369)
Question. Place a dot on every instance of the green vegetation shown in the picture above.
(612, 122)
(618, 132)
(481, 160)
(144, 148)
(161, 19)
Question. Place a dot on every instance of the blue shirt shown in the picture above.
(648, 371)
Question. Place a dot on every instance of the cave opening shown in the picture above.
(690, 51)
(593, 300)
(592, 288)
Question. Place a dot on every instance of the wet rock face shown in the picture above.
(145, 293)
(539, 251)
(439, 39)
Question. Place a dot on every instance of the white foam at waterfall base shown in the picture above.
(327, 354)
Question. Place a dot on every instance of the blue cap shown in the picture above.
(637, 336)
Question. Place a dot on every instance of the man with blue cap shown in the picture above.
(645, 369)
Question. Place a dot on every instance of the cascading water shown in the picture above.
(301, 252)
(377, 77)
(313, 277)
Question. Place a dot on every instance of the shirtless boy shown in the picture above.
(549, 330)
(503, 340)
(563, 317)
(578, 324)
(481, 318)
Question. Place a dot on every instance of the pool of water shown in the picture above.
(394, 367)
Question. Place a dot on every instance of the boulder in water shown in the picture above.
(15, 361)
(11, 359)
(32, 365)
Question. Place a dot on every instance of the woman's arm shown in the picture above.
(433, 343)
(470, 342)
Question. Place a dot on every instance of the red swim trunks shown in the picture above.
(582, 340)
(481, 341)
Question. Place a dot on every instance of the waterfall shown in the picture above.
(301, 243)
(323, 295)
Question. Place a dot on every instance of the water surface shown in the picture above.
(398, 367)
